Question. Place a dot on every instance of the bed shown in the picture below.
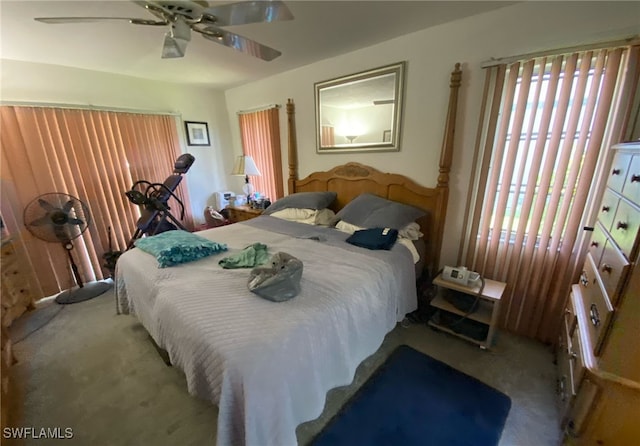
(266, 365)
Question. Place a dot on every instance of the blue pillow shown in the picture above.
(371, 211)
(175, 247)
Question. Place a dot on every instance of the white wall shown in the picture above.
(37, 83)
(431, 55)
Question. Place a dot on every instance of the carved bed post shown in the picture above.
(446, 156)
(293, 145)
(447, 144)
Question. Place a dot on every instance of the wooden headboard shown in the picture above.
(352, 179)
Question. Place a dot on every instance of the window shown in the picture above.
(93, 155)
(260, 132)
(545, 121)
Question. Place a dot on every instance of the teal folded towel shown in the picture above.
(252, 255)
(176, 247)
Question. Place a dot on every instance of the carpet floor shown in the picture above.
(83, 367)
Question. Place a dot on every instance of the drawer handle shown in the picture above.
(605, 208)
(594, 315)
(595, 244)
(606, 268)
(635, 178)
(615, 172)
(622, 225)
(584, 278)
(573, 355)
(561, 387)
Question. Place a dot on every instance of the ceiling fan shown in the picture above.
(182, 17)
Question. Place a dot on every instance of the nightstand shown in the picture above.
(242, 213)
(479, 326)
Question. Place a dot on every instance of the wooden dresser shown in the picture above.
(16, 289)
(599, 346)
(16, 298)
(242, 213)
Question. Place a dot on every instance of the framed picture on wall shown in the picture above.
(197, 133)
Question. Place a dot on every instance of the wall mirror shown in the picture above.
(361, 112)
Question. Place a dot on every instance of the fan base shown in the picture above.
(88, 291)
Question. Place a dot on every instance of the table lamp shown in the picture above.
(245, 166)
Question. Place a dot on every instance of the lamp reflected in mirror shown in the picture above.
(351, 138)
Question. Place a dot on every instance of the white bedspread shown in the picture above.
(268, 366)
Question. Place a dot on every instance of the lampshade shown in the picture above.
(245, 166)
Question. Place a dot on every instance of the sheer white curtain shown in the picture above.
(545, 124)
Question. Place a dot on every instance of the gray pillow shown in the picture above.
(303, 200)
(371, 211)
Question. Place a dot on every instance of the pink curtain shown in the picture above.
(92, 155)
(542, 133)
(260, 133)
(327, 136)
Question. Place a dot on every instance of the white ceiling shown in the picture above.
(319, 30)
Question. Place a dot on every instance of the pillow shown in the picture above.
(411, 231)
(302, 200)
(371, 211)
(347, 227)
(322, 217)
(175, 247)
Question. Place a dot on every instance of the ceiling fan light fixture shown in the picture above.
(173, 47)
(176, 40)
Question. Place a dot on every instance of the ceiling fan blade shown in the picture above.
(59, 20)
(239, 43)
(249, 12)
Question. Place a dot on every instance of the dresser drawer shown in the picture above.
(577, 361)
(619, 170)
(596, 303)
(613, 267)
(608, 209)
(565, 390)
(625, 227)
(570, 318)
(631, 188)
(598, 240)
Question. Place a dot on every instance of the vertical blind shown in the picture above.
(92, 155)
(542, 130)
(260, 133)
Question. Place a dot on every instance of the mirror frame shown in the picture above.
(393, 145)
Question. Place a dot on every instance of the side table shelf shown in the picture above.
(479, 326)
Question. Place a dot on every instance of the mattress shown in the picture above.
(268, 365)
